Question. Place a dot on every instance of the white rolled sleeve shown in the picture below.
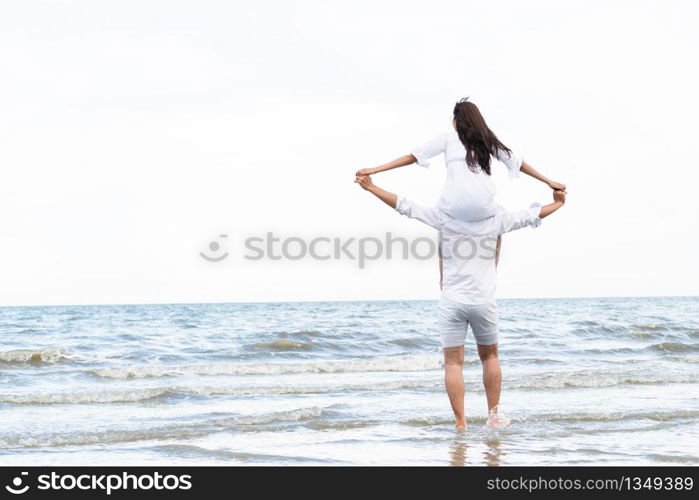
(429, 215)
(430, 149)
(511, 221)
(512, 161)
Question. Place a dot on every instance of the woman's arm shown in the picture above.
(531, 171)
(401, 161)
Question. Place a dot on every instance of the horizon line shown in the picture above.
(341, 300)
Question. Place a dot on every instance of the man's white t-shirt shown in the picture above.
(468, 247)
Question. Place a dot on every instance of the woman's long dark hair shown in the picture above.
(480, 142)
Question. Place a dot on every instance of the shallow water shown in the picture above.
(586, 381)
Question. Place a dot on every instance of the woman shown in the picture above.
(469, 191)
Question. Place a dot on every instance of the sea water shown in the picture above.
(585, 381)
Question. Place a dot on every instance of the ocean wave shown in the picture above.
(146, 394)
(581, 379)
(306, 333)
(27, 331)
(687, 358)
(391, 364)
(409, 342)
(439, 420)
(282, 345)
(192, 450)
(532, 382)
(561, 417)
(638, 330)
(651, 327)
(674, 459)
(176, 431)
(34, 356)
(128, 396)
(340, 425)
(674, 346)
(611, 417)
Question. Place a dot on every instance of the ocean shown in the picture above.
(599, 381)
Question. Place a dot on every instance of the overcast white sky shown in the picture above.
(133, 133)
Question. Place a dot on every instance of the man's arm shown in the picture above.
(532, 216)
(429, 215)
(388, 198)
(559, 199)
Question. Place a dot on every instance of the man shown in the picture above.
(469, 250)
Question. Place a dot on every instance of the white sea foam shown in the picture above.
(21, 356)
(165, 432)
(658, 416)
(135, 395)
(558, 380)
(392, 364)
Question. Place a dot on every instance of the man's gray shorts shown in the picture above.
(454, 319)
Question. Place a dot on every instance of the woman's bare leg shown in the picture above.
(454, 382)
(497, 250)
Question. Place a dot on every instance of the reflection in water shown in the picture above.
(493, 452)
(457, 450)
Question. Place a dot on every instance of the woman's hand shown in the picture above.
(556, 186)
(365, 171)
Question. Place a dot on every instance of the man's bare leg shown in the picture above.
(492, 382)
(492, 374)
(454, 382)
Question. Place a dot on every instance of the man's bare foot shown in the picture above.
(497, 420)
(461, 426)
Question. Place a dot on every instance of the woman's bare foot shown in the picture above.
(461, 426)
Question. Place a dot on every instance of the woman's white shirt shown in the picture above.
(467, 195)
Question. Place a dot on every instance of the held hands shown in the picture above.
(365, 171)
(556, 186)
(364, 181)
(559, 196)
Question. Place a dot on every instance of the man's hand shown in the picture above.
(364, 181)
(388, 198)
(559, 196)
(365, 171)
